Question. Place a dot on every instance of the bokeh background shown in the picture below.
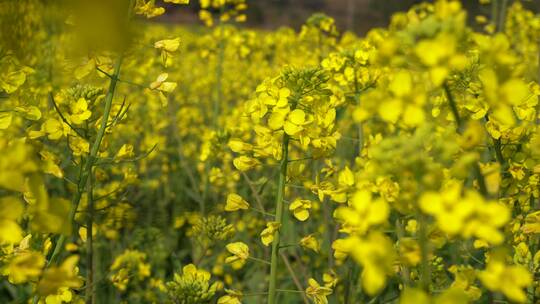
(354, 15)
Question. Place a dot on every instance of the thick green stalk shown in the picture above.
(92, 157)
(425, 271)
(279, 216)
(89, 244)
(91, 160)
(502, 16)
(494, 12)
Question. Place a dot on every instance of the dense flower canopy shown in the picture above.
(144, 163)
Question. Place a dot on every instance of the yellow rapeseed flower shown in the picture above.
(510, 280)
(235, 202)
(239, 251)
(267, 235)
(317, 292)
(300, 209)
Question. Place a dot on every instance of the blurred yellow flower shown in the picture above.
(24, 267)
(317, 292)
(63, 276)
(510, 280)
(232, 297)
(267, 235)
(11, 209)
(235, 202)
(310, 242)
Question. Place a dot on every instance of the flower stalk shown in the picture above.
(459, 128)
(90, 244)
(272, 291)
(91, 160)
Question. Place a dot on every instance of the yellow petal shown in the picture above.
(5, 120)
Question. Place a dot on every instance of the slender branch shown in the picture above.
(279, 217)
(289, 290)
(497, 146)
(294, 277)
(498, 152)
(300, 159)
(131, 160)
(259, 260)
(218, 89)
(297, 186)
(405, 272)
(261, 212)
(459, 128)
(254, 191)
(494, 10)
(469, 254)
(51, 98)
(502, 16)
(253, 294)
(425, 271)
(120, 114)
(89, 244)
(122, 80)
(298, 261)
(91, 159)
(104, 196)
(453, 107)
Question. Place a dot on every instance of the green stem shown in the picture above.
(256, 194)
(347, 286)
(530, 289)
(327, 213)
(289, 290)
(480, 178)
(360, 127)
(502, 16)
(259, 260)
(279, 216)
(253, 294)
(425, 272)
(206, 189)
(91, 159)
(219, 76)
(494, 10)
(498, 152)
(453, 107)
(89, 245)
(459, 128)
(405, 272)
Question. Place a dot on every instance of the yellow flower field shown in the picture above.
(149, 163)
